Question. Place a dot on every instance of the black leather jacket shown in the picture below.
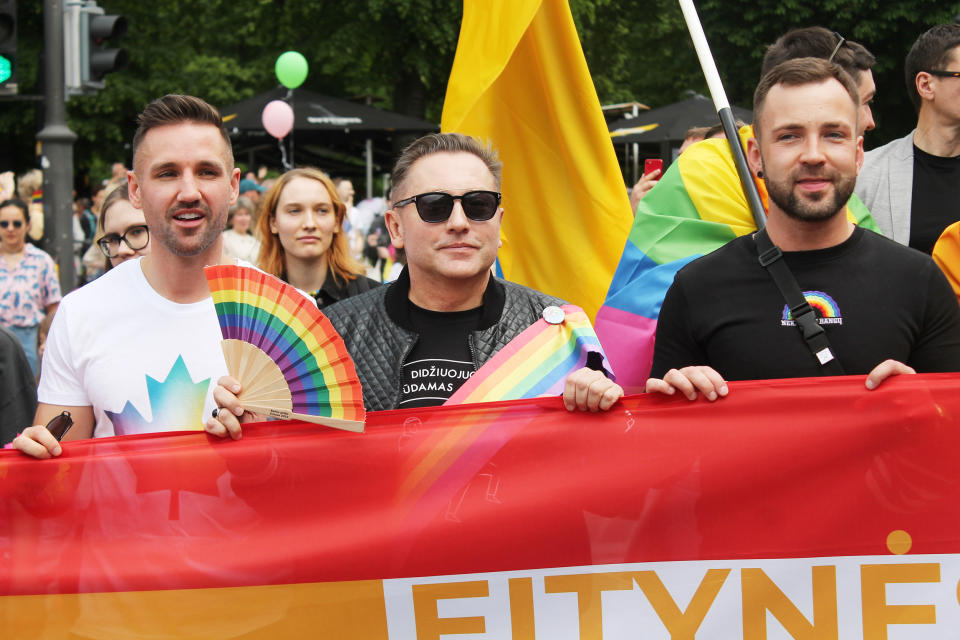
(377, 331)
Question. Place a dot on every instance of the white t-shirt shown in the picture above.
(144, 363)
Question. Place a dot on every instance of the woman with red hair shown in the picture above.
(303, 243)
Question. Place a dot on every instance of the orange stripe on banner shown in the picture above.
(343, 610)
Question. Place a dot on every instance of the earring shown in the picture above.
(760, 174)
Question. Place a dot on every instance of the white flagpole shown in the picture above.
(723, 110)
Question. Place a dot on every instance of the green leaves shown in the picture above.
(401, 52)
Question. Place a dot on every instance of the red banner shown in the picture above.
(816, 501)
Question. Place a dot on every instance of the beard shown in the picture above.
(811, 207)
(193, 242)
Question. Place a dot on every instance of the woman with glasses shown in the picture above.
(123, 229)
(29, 289)
(238, 239)
(303, 242)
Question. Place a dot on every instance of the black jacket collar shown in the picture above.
(398, 296)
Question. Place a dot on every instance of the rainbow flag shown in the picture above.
(697, 207)
(520, 80)
(536, 362)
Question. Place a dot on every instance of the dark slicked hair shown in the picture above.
(817, 42)
(795, 73)
(931, 52)
(443, 143)
(175, 109)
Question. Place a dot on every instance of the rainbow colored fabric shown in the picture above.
(697, 207)
(535, 363)
(276, 318)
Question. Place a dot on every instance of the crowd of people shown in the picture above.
(883, 309)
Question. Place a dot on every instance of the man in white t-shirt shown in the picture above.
(138, 350)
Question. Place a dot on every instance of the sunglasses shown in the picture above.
(840, 41)
(4, 224)
(437, 206)
(944, 74)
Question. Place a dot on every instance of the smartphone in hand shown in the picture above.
(651, 164)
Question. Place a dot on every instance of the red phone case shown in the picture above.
(653, 163)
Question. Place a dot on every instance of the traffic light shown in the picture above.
(104, 60)
(87, 55)
(8, 46)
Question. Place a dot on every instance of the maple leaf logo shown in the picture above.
(175, 403)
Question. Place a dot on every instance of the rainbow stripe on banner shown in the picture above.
(536, 362)
(273, 316)
(697, 207)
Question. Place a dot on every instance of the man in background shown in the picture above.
(910, 184)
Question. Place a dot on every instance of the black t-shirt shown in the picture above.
(936, 198)
(441, 360)
(875, 299)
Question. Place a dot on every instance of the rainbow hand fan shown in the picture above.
(536, 362)
(287, 356)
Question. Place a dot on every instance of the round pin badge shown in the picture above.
(554, 315)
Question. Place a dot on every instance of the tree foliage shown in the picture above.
(400, 53)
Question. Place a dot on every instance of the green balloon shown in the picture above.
(291, 69)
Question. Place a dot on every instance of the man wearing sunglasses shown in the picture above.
(416, 341)
(910, 184)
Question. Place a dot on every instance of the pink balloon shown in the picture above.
(277, 118)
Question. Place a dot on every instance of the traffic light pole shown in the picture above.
(57, 151)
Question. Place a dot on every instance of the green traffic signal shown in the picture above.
(6, 69)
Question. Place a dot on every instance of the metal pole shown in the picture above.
(57, 140)
(369, 154)
(723, 111)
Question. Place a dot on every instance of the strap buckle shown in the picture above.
(805, 318)
(770, 256)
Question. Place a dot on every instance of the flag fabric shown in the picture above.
(536, 362)
(828, 518)
(697, 207)
(946, 253)
(520, 81)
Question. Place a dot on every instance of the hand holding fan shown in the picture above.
(289, 359)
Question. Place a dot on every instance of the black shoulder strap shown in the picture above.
(771, 259)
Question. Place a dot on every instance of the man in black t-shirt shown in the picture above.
(886, 309)
(910, 184)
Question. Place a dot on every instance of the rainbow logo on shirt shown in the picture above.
(824, 306)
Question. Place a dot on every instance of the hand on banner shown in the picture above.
(37, 442)
(229, 413)
(689, 381)
(589, 390)
(884, 370)
(644, 184)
